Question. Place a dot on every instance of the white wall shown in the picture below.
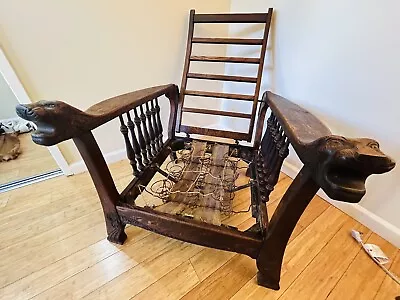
(8, 101)
(82, 52)
(340, 60)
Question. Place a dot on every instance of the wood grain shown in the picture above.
(71, 259)
(227, 59)
(229, 41)
(363, 278)
(222, 77)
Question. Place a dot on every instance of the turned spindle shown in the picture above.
(146, 133)
(135, 144)
(142, 142)
(129, 150)
(151, 130)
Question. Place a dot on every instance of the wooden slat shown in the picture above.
(215, 132)
(260, 70)
(216, 112)
(230, 18)
(219, 95)
(191, 231)
(222, 77)
(243, 60)
(231, 41)
(185, 68)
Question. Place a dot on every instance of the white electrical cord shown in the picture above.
(357, 236)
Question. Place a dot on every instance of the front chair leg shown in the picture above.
(115, 228)
(283, 222)
(104, 184)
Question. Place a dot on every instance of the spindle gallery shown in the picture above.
(197, 177)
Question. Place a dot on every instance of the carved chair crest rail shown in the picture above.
(336, 164)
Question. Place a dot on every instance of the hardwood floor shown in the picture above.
(33, 160)
(53, 246)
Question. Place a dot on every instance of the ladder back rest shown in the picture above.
(263, 18)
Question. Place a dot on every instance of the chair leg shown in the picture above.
(115, 229)
(104, 184)
(283, 222)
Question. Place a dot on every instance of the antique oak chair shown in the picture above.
(199, 183)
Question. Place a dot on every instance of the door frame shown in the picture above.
(22, 97)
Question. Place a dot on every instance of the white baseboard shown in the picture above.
(111, 157)
(378, 225)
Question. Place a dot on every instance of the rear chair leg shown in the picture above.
(104, 184)
(283, 222)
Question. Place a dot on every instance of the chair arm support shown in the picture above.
(58, 121)
(340, 165)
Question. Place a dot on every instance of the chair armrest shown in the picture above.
(340, 165)
(58, 121)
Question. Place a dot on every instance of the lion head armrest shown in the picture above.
(57, 121)
(340, 165)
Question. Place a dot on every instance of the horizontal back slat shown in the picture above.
(222, 77)
(216, 132)
(230, 41)
(230, 18)
(243, 60)
(216, 112)
(220, 95)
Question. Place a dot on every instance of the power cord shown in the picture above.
(371, 249)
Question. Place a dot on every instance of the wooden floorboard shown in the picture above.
(36, 157)
(53, 246)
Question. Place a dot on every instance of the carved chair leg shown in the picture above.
(104, 184)
(284, 220)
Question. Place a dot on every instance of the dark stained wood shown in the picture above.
(142, 142)
(215, 132)
(108, 194)
(301, 126)
(228, 41)
(281, 226)
(128, 146)
(159, 124)
(230, 18)
(218, 18)
(216, 112)
(135, 143)
(330, 156)
(173, 97)
(192, 231)
(54, 115)
(132, 190)
(156, 130)
(146, 133)
(260, 68)
(219, 95)
(151, 127)
(222, 77)
(239, 60)
(260, 122)
(185, 69)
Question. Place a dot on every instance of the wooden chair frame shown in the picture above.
(336, 164)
